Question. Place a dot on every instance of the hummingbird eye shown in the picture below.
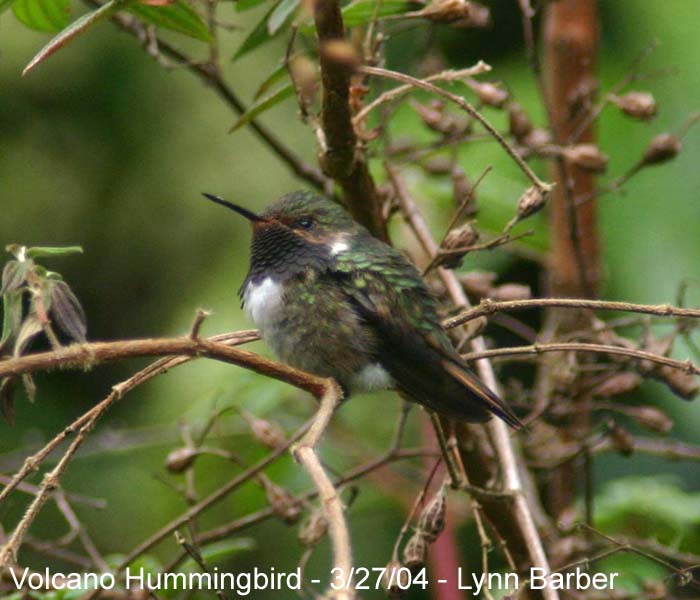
(304, 223)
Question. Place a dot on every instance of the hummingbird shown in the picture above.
(331, 299)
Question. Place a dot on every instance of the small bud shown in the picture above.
(432, 519)
(519, 123)
(662, 148)
(415, 551)
(463, 191)
(459, 237)
(530, 202)
(342, 53)
(436, 118)
(460, 13)
(651, 418)
(511, 291)
(491, 94)
(622, 441)
(313, 529)
(266, 432)
(391, 581)
(180, 459)
(620, 383)
(305, 76)
(587, 156)
(638, 105)
(537, 139)
(684, 385)
(285, 506)
(438, 165)
(478, 283)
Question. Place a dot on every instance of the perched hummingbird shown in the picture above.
(332, 300)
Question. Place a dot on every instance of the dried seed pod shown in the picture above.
(491, 94)
(463, 191)
(432, 518)
(662, 148)
(537, 139)
(622, 441)
(459, 239)
(460, 13)
(415, 551)
(266, 432)
(438, 165)
(638, 105)
(652, 418)
(511, 291)
(180, 459)
(342, 53)
(530, 202)
(391, 581)
(478, 283)
(620, 383)
(313, 529)
(587, 156)
(304, 73)
(684, 385)
(436, 118)
(285, 506)
(519, 123)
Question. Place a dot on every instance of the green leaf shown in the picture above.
(362, 12)
(13, 275)
(263, 105)
(43, 15)
(180, 17)
(257, 37)
(73, 30)
(4, 5)
(11, 316)
(280, 14)
(242, 5)
(277, 75)
(45, 251)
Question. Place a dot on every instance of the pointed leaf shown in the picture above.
(67, 312)
(180, 17)
(44, 251)
(11, 316)
(43, 15)
(278, 74)
(257, 37)
(29, 386)
(74, 29)
(7, 402)
(263, 105)
(362, 12)
(31, 327)
(280, 14)
(242, 5)
(13, 276)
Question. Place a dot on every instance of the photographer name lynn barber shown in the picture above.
(360, 578)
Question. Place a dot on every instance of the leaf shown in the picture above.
(263, 105)
(280, 14)
(180, 17)
(29, 386)
(73, 30)
(362, 12)
(11, 317)
(257, 37)
(43, 15)
(67, 312)
(4, 5)
(13, 276)
(31, 327)
(271, 79)
(243, 5)
(7, 399)
(45, 251)
(221, 551)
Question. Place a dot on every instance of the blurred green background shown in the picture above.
(103, 147)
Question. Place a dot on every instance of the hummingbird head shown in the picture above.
(300, 231)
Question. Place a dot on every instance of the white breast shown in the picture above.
(262, 301)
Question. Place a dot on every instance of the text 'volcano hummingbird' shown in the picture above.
(332, 300)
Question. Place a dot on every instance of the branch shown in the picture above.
(489, 307)
(331, 504)
(340, 158)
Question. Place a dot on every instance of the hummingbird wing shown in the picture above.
(389, 295)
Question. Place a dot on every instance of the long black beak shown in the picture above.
(251, 216)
